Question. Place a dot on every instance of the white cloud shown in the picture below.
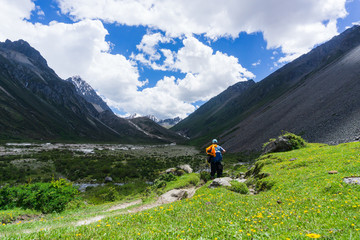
(207, 74)
(73, 49)
(256, 63)
(81, 48)
(295, 26)
(39, 11)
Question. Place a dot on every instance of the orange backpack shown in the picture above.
(211, 150)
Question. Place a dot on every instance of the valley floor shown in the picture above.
(303, 195)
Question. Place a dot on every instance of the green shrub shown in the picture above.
(296, 141)
(293, 142)
(194, 179)
(264, 184)
(44, 197)
(167, 177)
(110, 194)
(205, 176)
(162, 180)
(238, 187)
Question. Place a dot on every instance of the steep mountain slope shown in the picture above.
(323, 108)
(204, 120)
(239, 114)
(127, 127)
(35, 104)
(84, 89)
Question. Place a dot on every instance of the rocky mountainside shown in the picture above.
(316, 96)
(206, 120)
(147, 125)
(169, 122)
(35, 104)
(166, 123)
(84, 89)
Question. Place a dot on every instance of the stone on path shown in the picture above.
(217, 182)
(352, 180)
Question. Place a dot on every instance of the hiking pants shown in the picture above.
(216, 167)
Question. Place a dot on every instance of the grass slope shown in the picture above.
(305, 202)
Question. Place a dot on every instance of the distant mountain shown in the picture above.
(317, 96)
(169, 122)
(135, 115)
(85, 90)
(166, 123)
(35, 104)
(152, 117)
(147, 125)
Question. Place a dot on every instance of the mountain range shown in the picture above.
(316, 96)
(36, 104)
(166, 123)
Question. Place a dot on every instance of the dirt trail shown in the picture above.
(168, 197)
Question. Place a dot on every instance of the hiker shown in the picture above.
(215, 157)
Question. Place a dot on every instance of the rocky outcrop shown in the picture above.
(223, 182)
(186, 168)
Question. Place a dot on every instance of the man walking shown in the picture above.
(215, 157)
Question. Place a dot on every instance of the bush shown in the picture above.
(296, 141)
(205, 176)
(110, 195)
(167, 177)
(44, 197)
(238, 187)
(264, 184)
(285, 142)
(162, 180)
(194, 179)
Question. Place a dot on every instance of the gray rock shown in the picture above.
(186, 168)
(170, 170)
(240, 180)
(281, 144)
(108, 179)
(172, 196)
(352, 180)
(217, 182)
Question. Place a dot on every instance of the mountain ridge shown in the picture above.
(39, 105)
(226, 123)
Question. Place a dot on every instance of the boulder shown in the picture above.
(240, 180)
(170, 170)
(352, 180)
(281, 144)
(108, 179)
(218, 182)
(186, 168)
(172, 196)
(332, 172)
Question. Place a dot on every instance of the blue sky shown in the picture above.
(166, 58)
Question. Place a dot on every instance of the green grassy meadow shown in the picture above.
(304, 202)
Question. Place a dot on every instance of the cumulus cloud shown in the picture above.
(295, 26)
(256, 63)
(81, 49)
(73, 49)
(207, 73)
